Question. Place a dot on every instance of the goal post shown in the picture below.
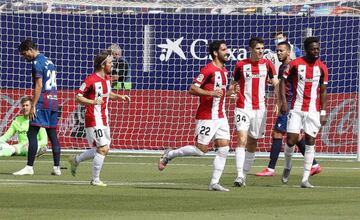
(165, 44)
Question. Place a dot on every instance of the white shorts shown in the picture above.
(308, 121)
(98, 136)
(252, 121)
(208, 130)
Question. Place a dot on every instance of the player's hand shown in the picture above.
(234, 89)
(323, 119)
(277, 108)
(32, 113)
(237, 88)
(218, 93)
(284, 109)
(98, 101)
(114, 77)
(125, 98)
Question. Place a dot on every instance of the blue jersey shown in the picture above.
(289, 90)
(43, 68)
(281, 121)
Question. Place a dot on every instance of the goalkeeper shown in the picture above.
(20, 126)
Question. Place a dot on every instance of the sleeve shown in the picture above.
(237, 72)
(85, 86)
(9, 133)
(271, 70)
(325, 74)
(202, 77)
(37, 70)
(42, 138)
(288, 70)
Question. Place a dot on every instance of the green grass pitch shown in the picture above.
(137, 190)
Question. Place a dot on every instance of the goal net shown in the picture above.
(165, 44)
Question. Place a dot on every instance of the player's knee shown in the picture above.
(291, 139)
(223, 151)
(221, 143)
(103, 150)
(290, 143)
(309, 140)
(56, 148)
(242, 140)
(251, 144)
(202, 148)
(276, 134)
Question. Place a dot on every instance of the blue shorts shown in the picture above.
(281, 123)
(45, 118)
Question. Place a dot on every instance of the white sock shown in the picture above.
(86, 155)
(270, 169)
(308, 159)
(97, 165)
(239, 160)
(188, 150)
(316, 165)
(249, 161)
(288, 152)
(219, 164)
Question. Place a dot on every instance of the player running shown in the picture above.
(95, 94)
(211, 121)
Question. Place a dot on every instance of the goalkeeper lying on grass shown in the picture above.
(20, 126)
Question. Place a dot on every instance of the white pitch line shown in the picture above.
(77, 182)
(114, 183)
(171, 164)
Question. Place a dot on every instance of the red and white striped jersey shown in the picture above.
(306, 79)
(252, 78)
(95, 87)
(210, 78)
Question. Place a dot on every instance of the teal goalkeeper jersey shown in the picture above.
(20, 126)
